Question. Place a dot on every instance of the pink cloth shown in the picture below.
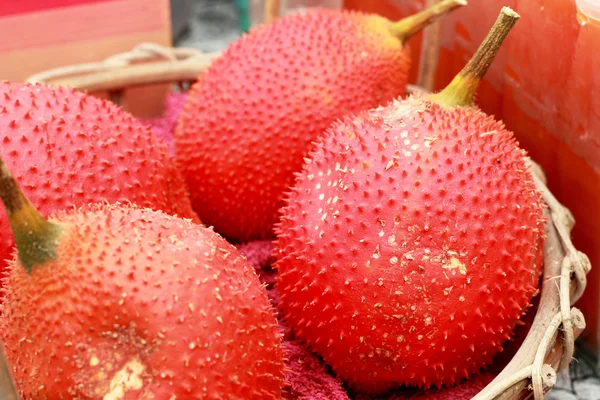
(307, 377)
(164, 126)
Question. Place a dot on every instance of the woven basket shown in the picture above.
(549, 344)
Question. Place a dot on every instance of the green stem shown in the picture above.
(35, 237)
(461, 91)
(410, 26)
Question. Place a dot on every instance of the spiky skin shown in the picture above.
(90, 146)
(133, 288)
(253, 115)
(410, 245)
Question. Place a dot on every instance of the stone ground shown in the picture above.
(213, 24)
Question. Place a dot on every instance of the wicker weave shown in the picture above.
(549, 344)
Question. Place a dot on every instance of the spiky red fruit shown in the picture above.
(410, 245)
(252, 116)
(140, 305)
(90, 146)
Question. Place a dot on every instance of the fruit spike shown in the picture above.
(461, 90)
(34, 236)
(411, 25)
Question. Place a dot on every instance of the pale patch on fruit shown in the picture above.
(429, 141)
(392, 240)
(127, 378)
(94, 361)
(454, 264)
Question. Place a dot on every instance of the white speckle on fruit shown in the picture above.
(94, 361)
(127, 378)
(321, 196)
(394, 260)
(376, 253)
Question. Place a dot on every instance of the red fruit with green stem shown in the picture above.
(255, 112)
(120, 302)
(89, 145)
(411, 243)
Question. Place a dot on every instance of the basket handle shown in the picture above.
(147, 63)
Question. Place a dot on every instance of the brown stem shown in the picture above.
(430, 48)
(35, 237)
(271, 11)
(409, 26)
(461, 91)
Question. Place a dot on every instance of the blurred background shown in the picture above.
(208, 25)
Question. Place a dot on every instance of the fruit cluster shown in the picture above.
(407, 230)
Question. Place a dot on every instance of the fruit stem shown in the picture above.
(461, 91)
(410, 26)
(35, 237)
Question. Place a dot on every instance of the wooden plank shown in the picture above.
(82, 23)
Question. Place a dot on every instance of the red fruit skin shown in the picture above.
(54, 139)
(410, 245)
(254, 113)
(171, 300)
